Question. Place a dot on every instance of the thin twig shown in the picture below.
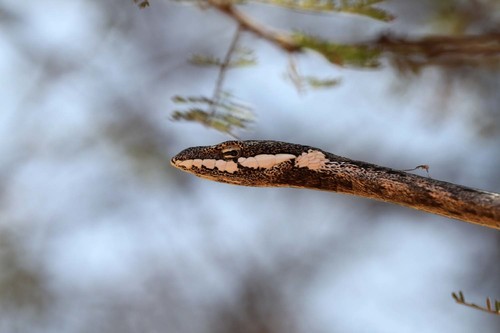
(222, 71)
(488, 308)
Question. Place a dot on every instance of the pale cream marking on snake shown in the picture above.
(264, 161)
(249, 162)
(313, 160)
(221, 165)
(197, 163)
(209, 163)
(280, 158)
(187, 164)
(231, 166)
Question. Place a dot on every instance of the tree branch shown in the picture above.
(430, 50)
(284, 41)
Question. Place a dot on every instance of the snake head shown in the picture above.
(251, 163)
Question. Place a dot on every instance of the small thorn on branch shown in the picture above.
(422, 166)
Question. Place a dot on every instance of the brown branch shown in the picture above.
(282, 40)
(483, 51)
(436, 46)
(431, 50)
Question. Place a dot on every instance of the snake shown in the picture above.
(266, 163)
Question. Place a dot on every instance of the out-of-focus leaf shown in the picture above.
(371, 12)
(142, 3)
(222, 122)
(205, 60)
(312, 82)
(317, 83)
(242, 57)
(340, 54)
(302, 82)
(358, 7)
(191, 99)
(224, 115)
(225, 101)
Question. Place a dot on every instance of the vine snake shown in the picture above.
(281, 164)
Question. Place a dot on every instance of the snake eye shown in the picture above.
(231, 152)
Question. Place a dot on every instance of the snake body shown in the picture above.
(281, 164)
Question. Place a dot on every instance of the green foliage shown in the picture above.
(317, 83)
(224, 115)
(366, 8)
(303, 82)
(242, 57)
(340, 54)
(358, 7)
(220, 112)
(205, 60)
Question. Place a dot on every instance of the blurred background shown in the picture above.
(98, 233)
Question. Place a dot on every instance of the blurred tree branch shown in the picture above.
(281, 40)
(407, 54)
(445, 51)
(431, 50)
(442, 50)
